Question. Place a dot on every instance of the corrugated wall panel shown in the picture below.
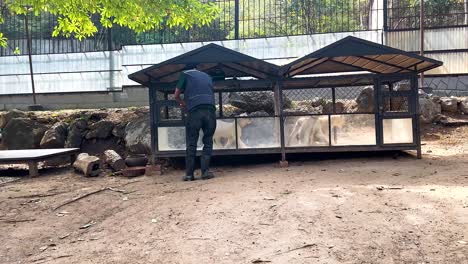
(454, 63)
(434, 39)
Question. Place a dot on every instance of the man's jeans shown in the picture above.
(204, 119)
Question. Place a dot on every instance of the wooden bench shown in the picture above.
(33, 156)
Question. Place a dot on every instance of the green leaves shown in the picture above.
(75, 16)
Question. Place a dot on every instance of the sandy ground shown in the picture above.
(364, 208)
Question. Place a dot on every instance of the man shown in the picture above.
(199, 102)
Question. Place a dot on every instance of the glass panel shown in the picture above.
(398, 130)
(260, 132)
(225, 135)
(171, 138)
(306, 131)
(352, 130)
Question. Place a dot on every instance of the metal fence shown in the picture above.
(242, 19)
(405, 14)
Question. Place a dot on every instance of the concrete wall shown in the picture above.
(129, 96)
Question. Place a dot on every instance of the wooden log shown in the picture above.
(88, 165)
(114, 160)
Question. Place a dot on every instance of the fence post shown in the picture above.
(385, 15)
(236, 19)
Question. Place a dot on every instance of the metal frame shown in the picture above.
(284, 150)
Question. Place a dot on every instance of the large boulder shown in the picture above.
(428, 109)
(23, 133)
(256, 101)
(365, 100)
(5, 117)
(55, 136)
(464, 106)
(138, 135)
(75, 133)
(101, 129)
(119, 130)
(449, 104)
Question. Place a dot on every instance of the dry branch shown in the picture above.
(88, 194)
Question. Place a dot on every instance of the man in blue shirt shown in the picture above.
(199, 102)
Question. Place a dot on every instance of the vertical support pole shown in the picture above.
(421, 36)
(335, 133)
(278, 94)
(28, 42)
(385, 15)
(236, 19)
(220, 100)
(166, 108)
(153, 123)
(33, 170)
(377, 112)
(415, 109)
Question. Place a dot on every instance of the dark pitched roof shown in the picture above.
(354, 54)
(233, 63)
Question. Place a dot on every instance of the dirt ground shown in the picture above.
(360, 208)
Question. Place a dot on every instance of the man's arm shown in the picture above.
(179, 100)
(180, 87)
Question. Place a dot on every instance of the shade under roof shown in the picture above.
(233, 63)
(353, 54)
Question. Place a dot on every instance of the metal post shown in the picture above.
(415, 108)
(28, 41)
(385, 14)
(278, 93)
(421, 36)
(236, 19)
(153, 123)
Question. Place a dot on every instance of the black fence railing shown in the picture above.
(243, 19)
(405, 14)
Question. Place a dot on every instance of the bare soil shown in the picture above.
(359, 208)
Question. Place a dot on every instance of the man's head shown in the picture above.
(190, 66)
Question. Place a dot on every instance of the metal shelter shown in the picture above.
(353, 95)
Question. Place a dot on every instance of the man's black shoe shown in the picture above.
(188, 178)
(207, 175)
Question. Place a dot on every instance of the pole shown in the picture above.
(28, 40)
(236, 19)
(421, 36)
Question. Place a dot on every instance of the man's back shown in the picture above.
(198, 89)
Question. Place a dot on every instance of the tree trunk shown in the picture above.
(114, 160)
(88, 165)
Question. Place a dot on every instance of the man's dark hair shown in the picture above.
(190, 66)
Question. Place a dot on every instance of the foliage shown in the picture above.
(75, 18)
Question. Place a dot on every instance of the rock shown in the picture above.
(464, 106)
(138, 135)
(449, 104)
(119, 130)
(339, 107)
(230, 111)
(256, 101)
(97, 116)
(75, 133)
(428, 109)
(5, 117)
(304, 107)
(101, 129)
(365, 100)
(23, 133)
(55, 136)
(259, 113)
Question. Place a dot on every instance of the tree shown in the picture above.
(75, 18)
